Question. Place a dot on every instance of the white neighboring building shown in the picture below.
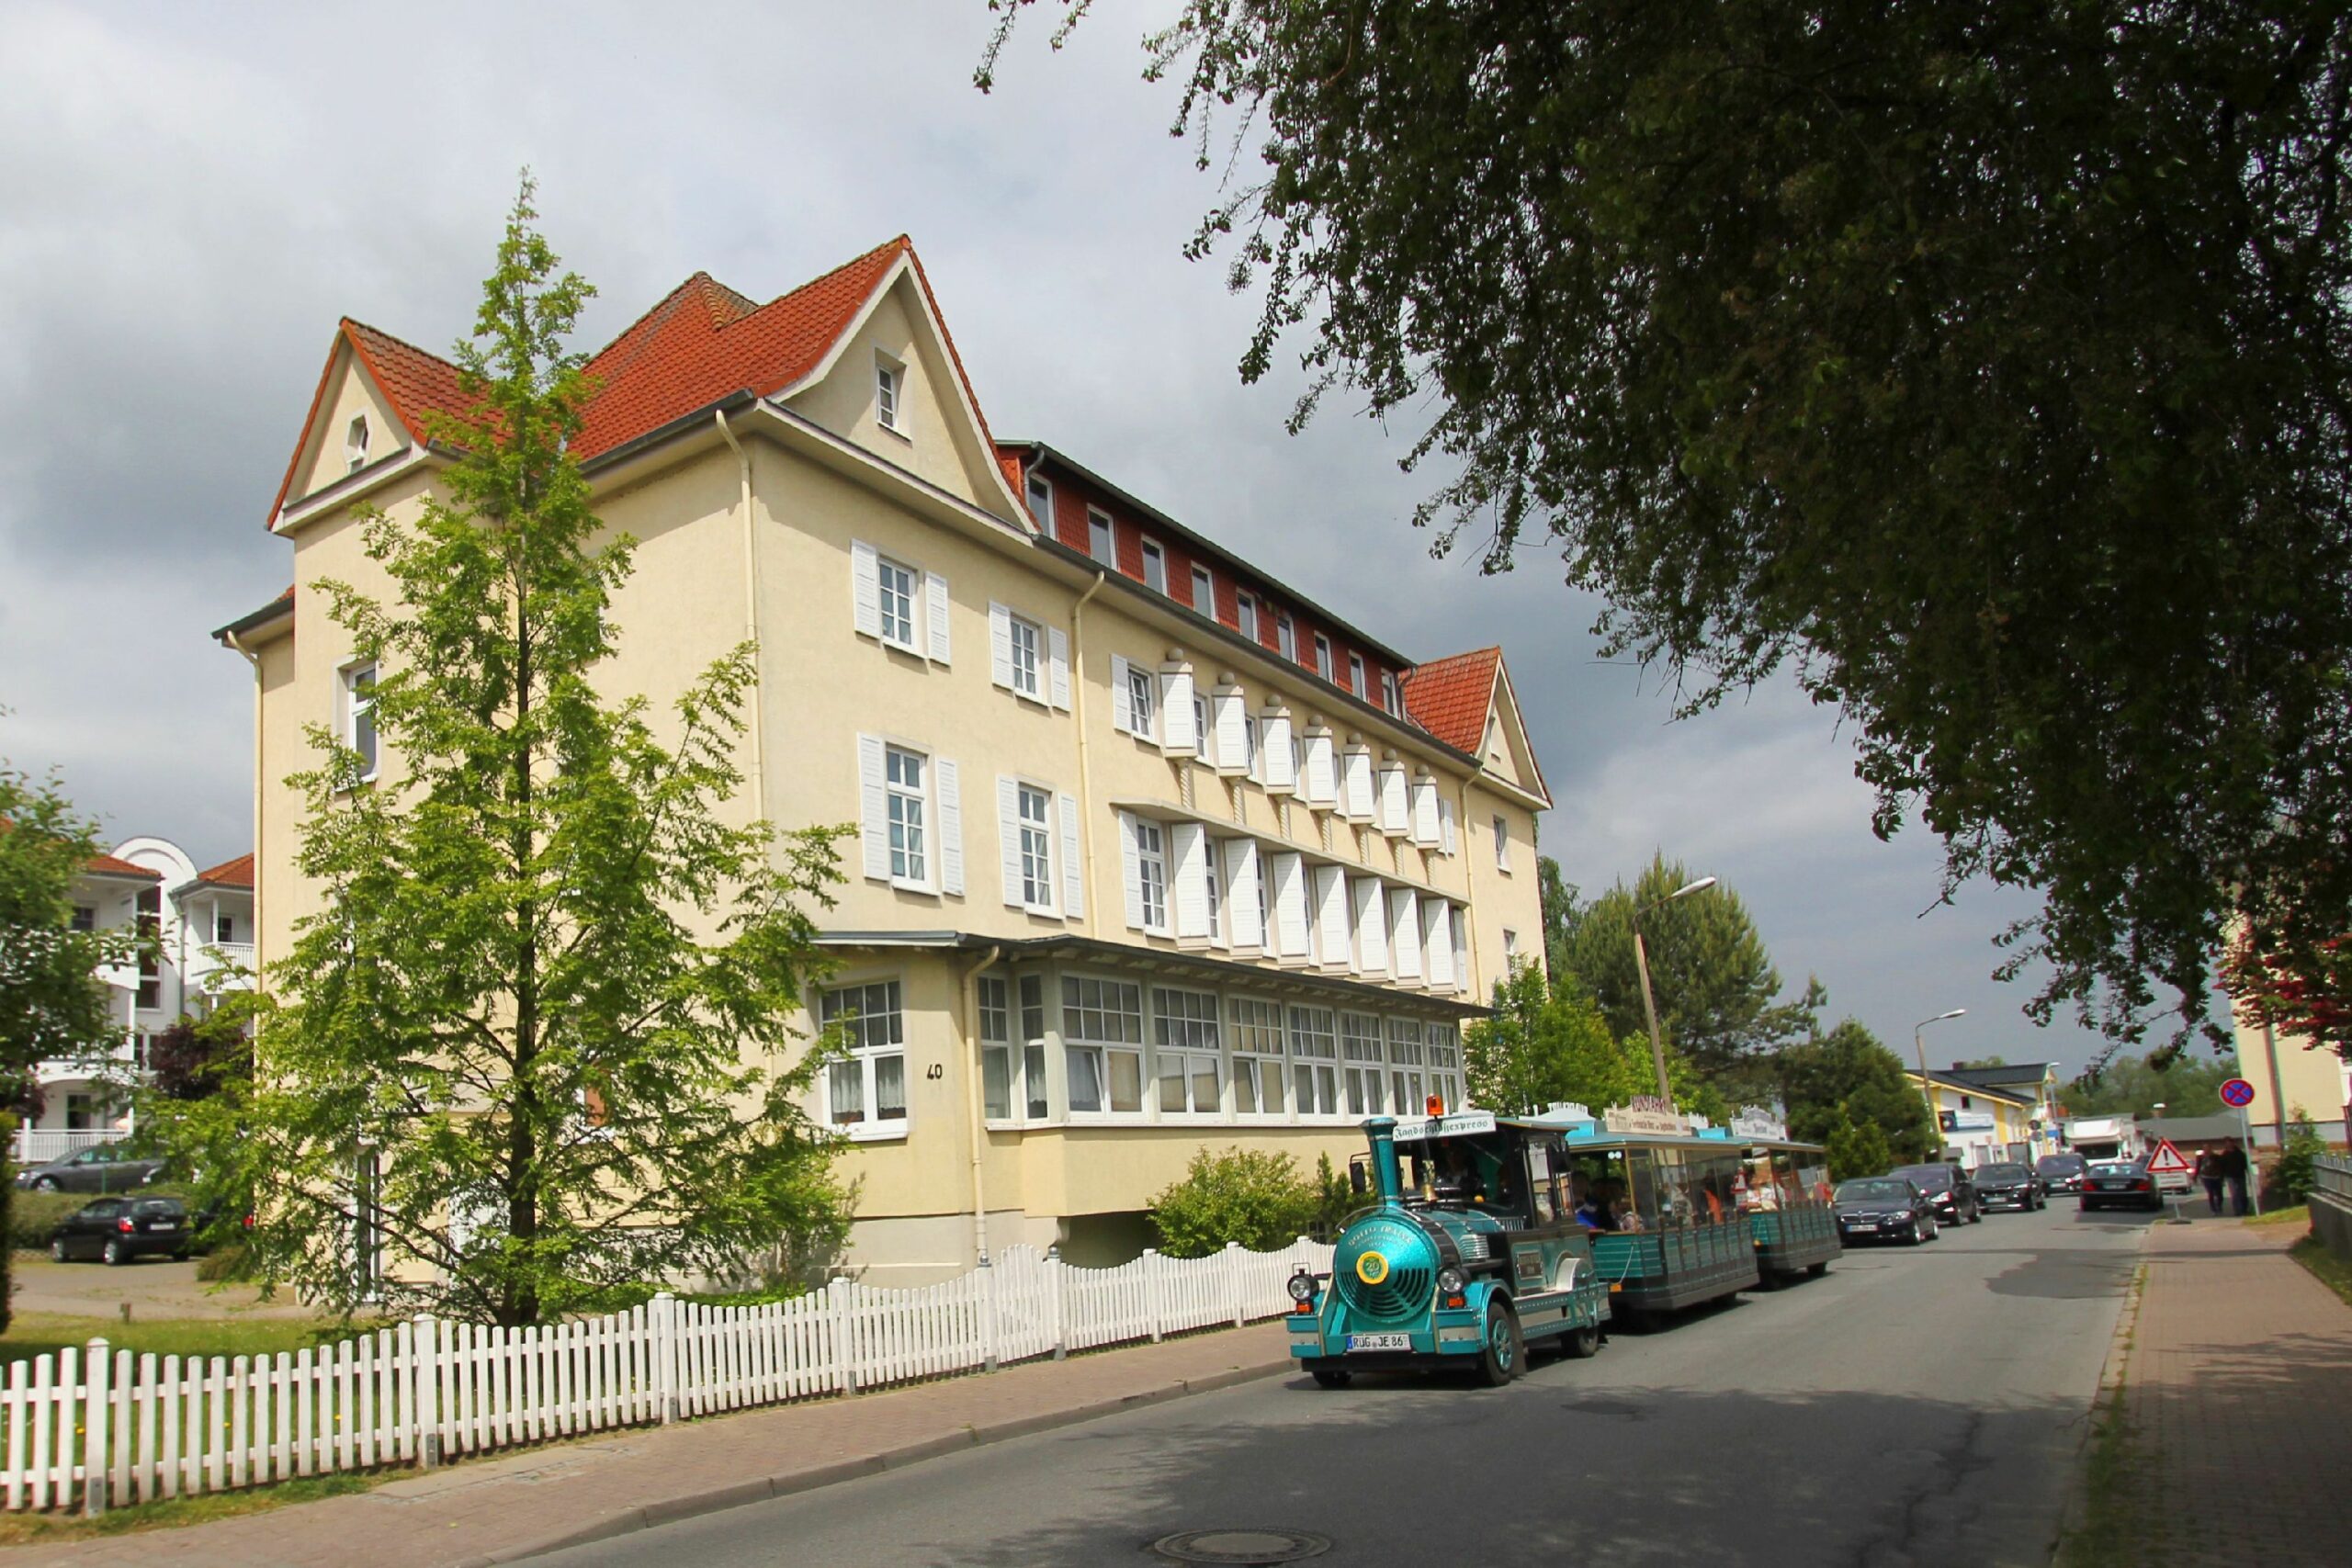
(203, 922)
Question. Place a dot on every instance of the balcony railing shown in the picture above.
(39, 1145)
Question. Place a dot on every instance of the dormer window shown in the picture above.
(1388, 693)
(354, 445)
(889, 378)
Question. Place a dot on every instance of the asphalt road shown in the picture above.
(1919, 1406)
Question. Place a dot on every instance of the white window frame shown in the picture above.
(1204, 591)
(356, 688)
(1245, 616)
(1079, 1041)
(1012, 1046)
(921, 858)
(1187, 1026)
(1323, 665)
(1363, 1063)
(1286, 635)
(1149, 837)
(1155, 567)
(1502, 843)
(1026, 633)
(1043, 514)
(1355, 674)
(1102, 537)
(998, 1062)
(1443, 1044)
(889, 393)
(1040, 887)
(884, 567)
(1391, 700)
(1314, 1039)
(1143, 703)
(1408, 1069)
(866, 1055)
(355, 444)
(1251, 1021)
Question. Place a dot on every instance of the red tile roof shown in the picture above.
(107, 866)
(701, 343)
(1449, 697)
(238, 873)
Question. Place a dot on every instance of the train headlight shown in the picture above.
(1301, 1288)
(1449, 1282)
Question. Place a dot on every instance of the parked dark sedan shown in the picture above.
(2123, 1183)
(1883, 1208)
(1948, 1186)
(2061, 1173)
(108, 1167)
(2007, 1186)
(120, 1229)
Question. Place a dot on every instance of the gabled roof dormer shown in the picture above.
(1467, 701)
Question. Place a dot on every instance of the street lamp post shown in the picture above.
(1926, 1087)
(1642, 964)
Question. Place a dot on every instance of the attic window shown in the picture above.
(888, 376)
(355, 444)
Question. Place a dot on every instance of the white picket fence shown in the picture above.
(90, 1427)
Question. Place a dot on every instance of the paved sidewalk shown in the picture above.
(499, 1509)
(2239, 1391)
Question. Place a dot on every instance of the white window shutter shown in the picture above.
(1190, 844)
(1176, 735)
(1289, 907)
(950, 826)
(1463, 979)
(1279, 763)
(1058, 641)
(1437, 943)
(1322, 775)
(1008, 832)
(1372, 926)
(1073, 872)
(873, 807)
(1405, 934)
(1131, 870)
(865, 587)
(1332, 917)
(934, 598)
(1226, 714)
(1241, 893)
(1394, 811)
(1425, 816)
(1446, 841)
(1122, 702)
(1356, 784)
(1000, 645)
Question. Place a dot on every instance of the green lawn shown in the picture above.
(2300, 1214)
(2329, 1269)
(35, 1333)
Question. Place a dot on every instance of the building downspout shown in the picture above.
(750, 618)
(259, 784)
(974, 1068)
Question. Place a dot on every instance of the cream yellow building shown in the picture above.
(1978, 1124)
(1151, 852)
(2290, 1070)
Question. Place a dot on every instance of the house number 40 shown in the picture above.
(936, 1070)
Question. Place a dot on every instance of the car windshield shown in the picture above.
(158, 1208)
(1875, 1190)
(2059, 1163)
(1930, 1178)
(2003, 1173)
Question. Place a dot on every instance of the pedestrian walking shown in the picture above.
(2209, 1172)
(2233, 1169)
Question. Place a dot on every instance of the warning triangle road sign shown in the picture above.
(2168, 1161)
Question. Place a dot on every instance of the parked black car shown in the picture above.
(120, 1229)
(108, 1167)
(2061, 1173)
(2007, 1186)
(1883, 1208)
(2123, 1183)
(1948, 1186)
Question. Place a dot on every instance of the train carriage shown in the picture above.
(1790, 1216)
(1673, 1234)
(1467, 1265)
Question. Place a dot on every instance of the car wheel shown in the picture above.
(1332, 1377)
(57, 1251)
(180, 1257)
(1504, 1354)
(115, 1255)
(45, 1184)
(1920, 1235)
(1580, 1344)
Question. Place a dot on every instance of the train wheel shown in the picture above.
(1333, 1377)
(1504, 1356)
(1580, 1343)
(1816, 1270)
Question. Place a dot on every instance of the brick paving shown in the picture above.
(2239, 1396)
(498, 1509)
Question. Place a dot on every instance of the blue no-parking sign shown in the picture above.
(2237, 1092)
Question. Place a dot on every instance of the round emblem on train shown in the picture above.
(1372, 1268)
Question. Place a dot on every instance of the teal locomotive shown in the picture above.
(1480, 1257)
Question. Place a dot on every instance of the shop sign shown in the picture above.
(1755, 1121)
(1461, 1124)
(1645, 1113)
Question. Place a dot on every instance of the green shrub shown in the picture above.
(230, 1261)
(2293, 1177)
(32, 1216)
(1856, 1150)
(1254, 1197)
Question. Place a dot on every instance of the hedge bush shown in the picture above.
(1255, 1197)
(32, 1216)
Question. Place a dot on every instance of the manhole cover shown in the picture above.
(1252, 1547)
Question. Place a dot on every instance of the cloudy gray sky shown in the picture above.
(190, 197)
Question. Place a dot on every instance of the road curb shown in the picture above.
(736, 1495)
(2111, 1373)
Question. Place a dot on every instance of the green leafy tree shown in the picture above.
(1546, 1042)
(52, 1004)
(2294, 1177)
(1717, 992)
(1557, 897)
(1856, 1150)
(1984, 364)
(534, 1038)
(1847, 1077)
(2137, 1085)
(1254, 1196)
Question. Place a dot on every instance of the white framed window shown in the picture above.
(1143, 701)
(1246, 616)
(867, 1089)
(1286, 636)
(1213, 891)
(1249, 761)
(1256, 1056)
(996, 1048)
(909, 805)
(1028, 657)
(1147, 875)
(1102, 1045)
(1388, 695)
(1101, 542)
(1041, 501)
(1035, 827)
(1155, 567)
(1445, 1063)
(1033, 1047)
(1205, 591)
(1323, 656)
(224, 926)
(1315, 1060)
(359, 715)
(1188, 1055)
(889, 382)
(1363, 1063)
(1355, 673)
(1204, 737)
(85, 916)
(1013, 1067)
(355, 444)
(1502, 844)
(895, 596)
(1408, 1077)
(1510, 945)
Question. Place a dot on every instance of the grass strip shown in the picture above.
(27, 1529)
(2325, 1267)
(2301, 1214)
(2112, 1527)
